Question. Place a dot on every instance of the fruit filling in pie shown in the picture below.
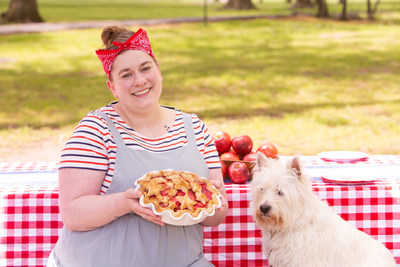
(178, 192)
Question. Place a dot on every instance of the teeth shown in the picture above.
(141, 92)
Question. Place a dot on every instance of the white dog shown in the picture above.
(300, 230)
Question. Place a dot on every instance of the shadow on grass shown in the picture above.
(242, 76)
(280, 110)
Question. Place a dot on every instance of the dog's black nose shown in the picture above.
(264, 208)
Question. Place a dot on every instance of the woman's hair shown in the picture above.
(115, 34)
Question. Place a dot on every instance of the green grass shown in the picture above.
(307, 85)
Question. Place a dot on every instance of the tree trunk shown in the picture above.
(322, 9)
(240, 4)
(21, 11)
(371, 11)
(344, 10)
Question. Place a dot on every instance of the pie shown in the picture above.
(178, 192)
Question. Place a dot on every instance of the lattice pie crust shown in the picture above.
(179, 192)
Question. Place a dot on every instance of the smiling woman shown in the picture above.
(114, 146)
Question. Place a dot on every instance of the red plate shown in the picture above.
(347, 179)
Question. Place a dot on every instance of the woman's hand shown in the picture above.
(224, 202)
(133, 196)
(220, 214)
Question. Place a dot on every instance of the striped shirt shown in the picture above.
(92, 146)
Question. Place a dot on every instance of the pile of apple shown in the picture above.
(237, 155)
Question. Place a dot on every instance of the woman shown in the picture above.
(104, 224)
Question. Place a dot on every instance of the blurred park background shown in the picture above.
(306, 82)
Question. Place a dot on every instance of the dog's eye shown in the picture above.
(261, 189)
(279, 192)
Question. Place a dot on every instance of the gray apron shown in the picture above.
(130, 240)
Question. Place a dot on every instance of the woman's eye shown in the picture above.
(145, 68)
(127, 75)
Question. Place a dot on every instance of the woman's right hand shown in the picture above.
(133, 196)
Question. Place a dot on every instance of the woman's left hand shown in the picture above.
(218, 185)
(220, 214)
(133, 197)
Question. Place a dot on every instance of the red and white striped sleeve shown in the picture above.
(205, 143)
(89, 145)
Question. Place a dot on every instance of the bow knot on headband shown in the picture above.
(138, 41)
(121, 46)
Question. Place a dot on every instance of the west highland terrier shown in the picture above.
(300, 230)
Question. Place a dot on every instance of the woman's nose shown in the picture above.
(139, 80)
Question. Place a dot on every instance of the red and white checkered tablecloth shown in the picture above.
(372, 160)
(10, 167)
(30, 221)
(29, 225)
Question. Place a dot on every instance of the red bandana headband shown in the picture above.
(138, 41)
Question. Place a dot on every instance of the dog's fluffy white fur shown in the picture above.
(298, 229)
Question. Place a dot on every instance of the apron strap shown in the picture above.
(113, 129)
(187, 122)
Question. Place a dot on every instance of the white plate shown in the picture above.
(343, 156)
(186, 218)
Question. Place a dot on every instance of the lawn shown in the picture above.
(307, 85)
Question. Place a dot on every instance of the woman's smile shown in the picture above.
(142, 92)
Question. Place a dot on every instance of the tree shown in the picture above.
(240, 4)
(322, 9)
(21, 11)
(344, 10)
(371, 11)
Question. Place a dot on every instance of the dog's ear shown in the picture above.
(261, 160)
(295, 165)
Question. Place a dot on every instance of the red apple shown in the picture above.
(222, 142)
(229, 156)
(242, 144)
(238, 172)
(269, 150)
(250, 157)
(224, 169)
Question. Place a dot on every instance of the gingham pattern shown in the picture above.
(373, 160)
(237, 241)
(29, 225)
(373, 208)
(10, 167)
(30, 222)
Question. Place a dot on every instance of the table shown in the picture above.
(30, 221)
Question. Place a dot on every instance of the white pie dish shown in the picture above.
(185, 219)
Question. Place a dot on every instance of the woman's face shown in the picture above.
(136, 80)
